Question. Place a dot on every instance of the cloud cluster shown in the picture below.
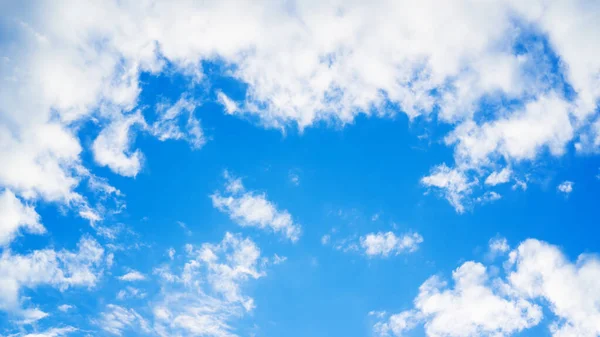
(303, 62)
(536, 274)
(207, 294)
(252, 209)
(60, 269)
(385, 244)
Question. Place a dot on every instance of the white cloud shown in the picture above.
(167, 124)
(60, 269)
(207, 294)
(171, 253)
(496, 178)
(252, 209)
(302, 63)
(453, 183)
(132, 276)
(537, 274)
(52, 332)
(294, 178)
(489, 196)
(131, 292)
(565, 187)
(385, 244)
(15, 216)
(325, 239)
(116, 319)
(111, 147)
(65, 307)
(498, 245)
(229, 105)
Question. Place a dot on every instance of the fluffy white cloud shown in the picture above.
(536, 272)
(452, 183)
(496, 178)
(207, 294)
(303, 62)
(167, 124)
(60, 269)
(132, 276)
(385, 244)
(565, 187)
(252, 209)
(15, 216)
(111, 147)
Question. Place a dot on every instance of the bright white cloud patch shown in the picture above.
(205, 295)
(496, 178)
(386, 244)
(565, 187)
(132, 276)
(60, 269)
(302, 62)
(537, 274)
(15, 216)
(252, 209)
(111, 147)
(453, 184)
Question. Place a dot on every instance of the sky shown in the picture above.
(299, 168)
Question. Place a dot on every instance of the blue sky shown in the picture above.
(299, 168)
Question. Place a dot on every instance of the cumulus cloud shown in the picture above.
(15, 216)
(537, 274)
(386, 244)
(60, 269)
(132, 276)
(302, 63)
(496, 178)
(111, 147)
(454, 185)
(252, 209)
(565, 187)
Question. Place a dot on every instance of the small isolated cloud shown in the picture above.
(227, 103)
(325, 239)
(496, 178)
(65, 307)
(294, 178)
(487, 197)
(130, 292)
(385, 244)
(565, 187)
(171, 253)
(132, 276)
(498, 245)
(252, 209)
(453, 184)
